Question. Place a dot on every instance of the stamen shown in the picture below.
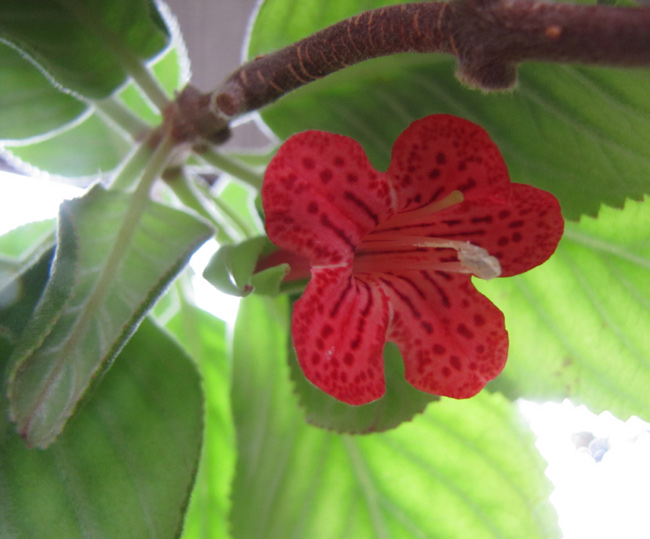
(479, 261)
(412, 217)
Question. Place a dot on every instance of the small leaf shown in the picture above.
(462, 469)
(85, 46)
(29, 104)
(578, 324)
(110, 266)
(232, 266)
(124, 466)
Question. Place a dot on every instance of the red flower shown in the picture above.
(392, 254)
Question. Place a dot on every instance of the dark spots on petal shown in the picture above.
(441, 158)
(503, 241)
(312, 207)
(439, 349)
(454, 361)
(516, 224)
(453, 222)
(326, 331)
(472, 366)
(361, 205)
(308, 163)
(469, 184)
(516, 237)
(344, 378)
(315, 359)
(348, 359)
(446, 372)
(462, 166)
(427, 327)
(339, 161)
(504, 214)
(479, 320)
(465, 331)
(352, 178)
(326, 175)
(354, 345)
(480, 349)
(434, 174)
(486, 219)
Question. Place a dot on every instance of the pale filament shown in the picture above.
(412, 217)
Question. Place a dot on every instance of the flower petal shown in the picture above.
(525, 234)
(339, 331)
(321, 196)
(452, 338)
(440, 154)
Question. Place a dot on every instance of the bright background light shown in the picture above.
(599, 466)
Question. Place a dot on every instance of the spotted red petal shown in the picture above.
(452, 338)
(339, 331)
(440, 154)
(321, 195)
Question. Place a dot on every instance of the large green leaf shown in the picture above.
(581, 133)
(204, 337)
(113, 260)
(463, 469)
(124, 466)
(87, 46)
(579, 324)
(29, 104)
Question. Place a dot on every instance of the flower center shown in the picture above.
(389, 247)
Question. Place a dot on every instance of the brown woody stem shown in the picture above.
(488, 37)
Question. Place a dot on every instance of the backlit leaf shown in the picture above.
(86, 46)
(581, 133)
(579, 324)
(110, 265)
(462, 469)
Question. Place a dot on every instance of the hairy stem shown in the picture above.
(488, 37)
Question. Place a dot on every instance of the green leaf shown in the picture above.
(579, 324)
(463, 469)
(204, 337)
(90, 46)
(90, 148)
(231, 268)
(29, 104)
(20, 290)
(112, 262)
(124, 466)
(400, 403)
(581, 133)
(99, 143)
(19, 242)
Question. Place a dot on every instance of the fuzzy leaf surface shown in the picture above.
(110, 266)
(29, 104)
(89, 46)
(124, 466)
